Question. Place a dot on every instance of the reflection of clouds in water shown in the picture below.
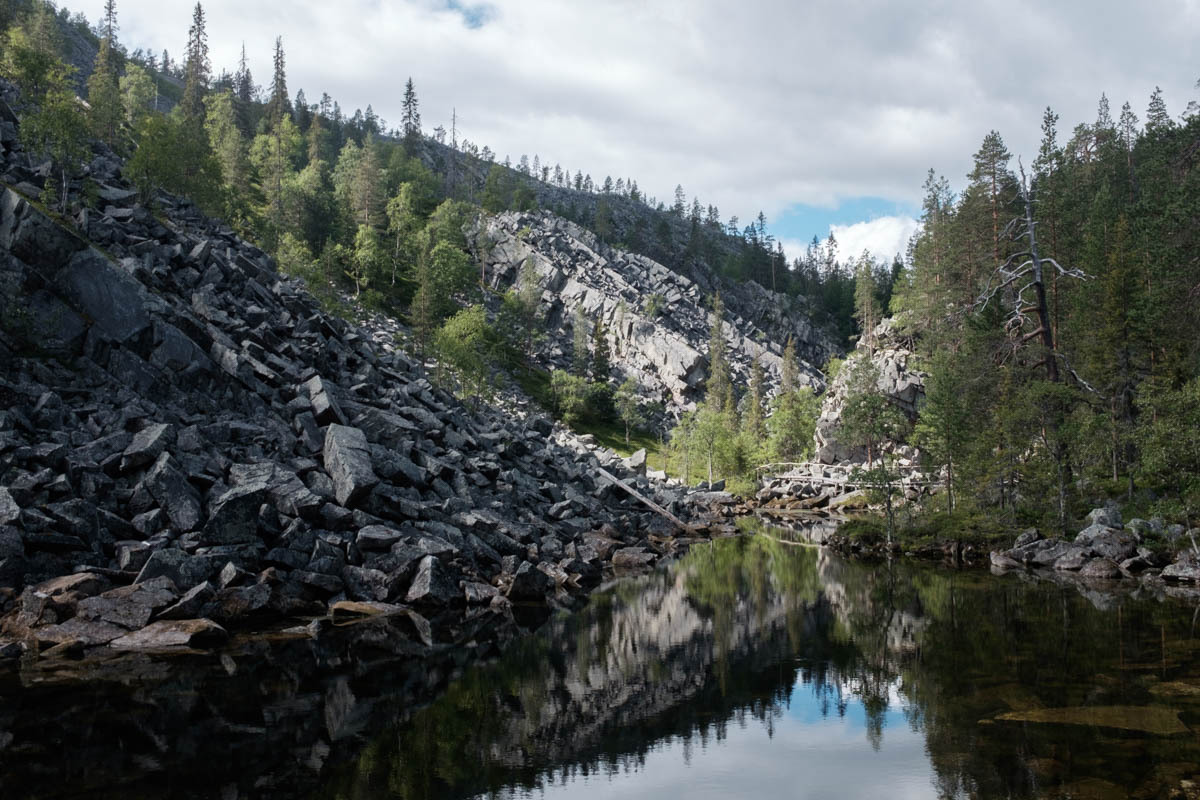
(809, 755)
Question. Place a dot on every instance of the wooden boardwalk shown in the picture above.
(840, 478)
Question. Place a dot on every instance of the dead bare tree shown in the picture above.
(1019, 283)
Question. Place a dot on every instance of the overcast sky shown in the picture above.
(825, 113)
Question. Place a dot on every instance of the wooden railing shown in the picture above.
(838, 475)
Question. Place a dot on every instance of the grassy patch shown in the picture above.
(982, 530)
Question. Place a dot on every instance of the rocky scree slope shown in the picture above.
(665, 351)
(187, 442)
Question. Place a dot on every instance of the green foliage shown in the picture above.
(465, 344)
(57, 128)
(1169, 441)
(629, 407)
(718, 390)
(174, 155)
(137, 94)
(104, 95)
(791, 425)
(31, 57)
(579, 401)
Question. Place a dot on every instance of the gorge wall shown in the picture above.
(664, 348)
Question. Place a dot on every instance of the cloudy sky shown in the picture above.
(824, 114)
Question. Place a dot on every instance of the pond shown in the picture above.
(752, 667)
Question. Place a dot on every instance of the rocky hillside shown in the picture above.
(896, 378)
(187, 443)
(665, 349)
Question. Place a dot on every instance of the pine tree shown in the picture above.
(991, 173)
(197, 70)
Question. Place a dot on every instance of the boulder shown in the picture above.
(170, 488)
(1186, 568)
(191, 604)
(147, 445)
(171, 634)
(10, 512)
(104, 293)
(530, 583)
(432, 585)
(637, 462)
(633, 557)
(130, 607)
(348, 462)
(233, 516)
(1028, 537)
(1112, 543)
(1100, 569)
(356, 609)
(1074, 558)
(182, 569)
(1109, 516)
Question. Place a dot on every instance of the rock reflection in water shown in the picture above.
(760, 667)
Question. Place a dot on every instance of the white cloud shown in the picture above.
(778, 104)
(882, 237)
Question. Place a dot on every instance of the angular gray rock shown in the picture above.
(348, 462)
(9, 510)
(166, 635)
(233, 516)
(147, 445)
(170, 487)
(432, 585)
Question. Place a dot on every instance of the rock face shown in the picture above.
(896, 379)
(179, 419)
(664, 348)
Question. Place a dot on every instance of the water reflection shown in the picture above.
(754, 666)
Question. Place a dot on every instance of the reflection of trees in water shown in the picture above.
(730, 632)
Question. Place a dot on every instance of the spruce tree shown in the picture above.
(866, 306)
(243, 94)
(104, 90)
(197, 70)
(279, 105)
(601, 355)
(410, 120)
(719, 388)
(581, 358)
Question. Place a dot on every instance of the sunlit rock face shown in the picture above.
(896, 377)
(663, 341)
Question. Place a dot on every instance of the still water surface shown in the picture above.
(751, 668)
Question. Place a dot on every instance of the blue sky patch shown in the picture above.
(801, 222)
(475, 16)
